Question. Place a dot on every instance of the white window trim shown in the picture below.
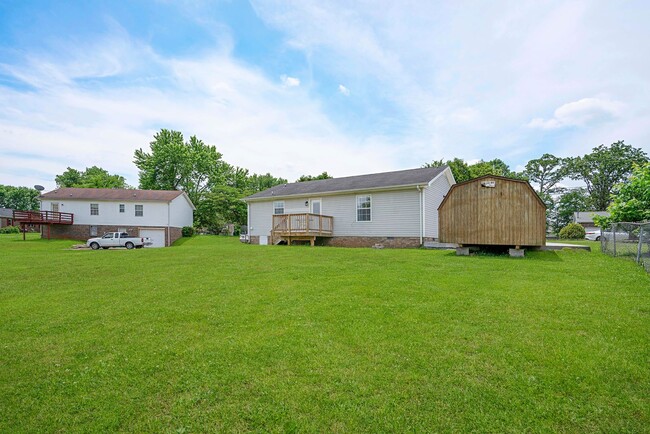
(356, 208)
(121, 208)
(135, 213)
(91, 209)
(276, 207)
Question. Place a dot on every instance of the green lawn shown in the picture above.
(213, 335)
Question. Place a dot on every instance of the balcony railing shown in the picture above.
(300, 225)
(43, 217)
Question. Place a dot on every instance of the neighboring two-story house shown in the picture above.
(158, 214)
(394, 209)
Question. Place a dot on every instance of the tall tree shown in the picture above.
(92, 177)
(173, 164)
(323, 175)
(605, 167)
(257, 182)
(632, 198)
(20, 198)
(458, 167)
(546, 171)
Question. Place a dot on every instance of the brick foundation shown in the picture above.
(82, 232)
(388, 242)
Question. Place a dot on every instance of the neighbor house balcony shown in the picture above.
(288, 227)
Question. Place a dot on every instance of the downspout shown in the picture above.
(168, 223)
(248, 221)
(419, 189)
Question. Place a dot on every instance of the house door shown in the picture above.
(315, 222)
(315, 206)
(55, 207)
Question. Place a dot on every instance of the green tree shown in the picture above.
(569, 202)
(632, 198)
(173, 164)
(92, 177)
(218, 207)
(493, 167)
(604, 168)
(256, 183)
(458, 168)
(546, 171)
(20, 198)
(323, 175)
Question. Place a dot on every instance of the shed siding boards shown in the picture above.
(510, 214)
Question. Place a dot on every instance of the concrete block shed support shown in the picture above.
(462, 251)
(516, 253)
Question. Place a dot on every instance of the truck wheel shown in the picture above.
(94, 246)
(129, 245)
(597, 238)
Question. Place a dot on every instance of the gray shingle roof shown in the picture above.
(352, 183)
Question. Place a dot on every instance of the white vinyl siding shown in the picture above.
(394, 214)
(433, 196)
(159, 213)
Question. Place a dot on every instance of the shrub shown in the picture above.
(187, 231)
(10, 230)
(572, 231)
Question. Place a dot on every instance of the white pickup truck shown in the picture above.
(118, 239)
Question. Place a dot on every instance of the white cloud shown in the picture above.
(344, 90)
(249, 118)
(290, 81)
(580, 113)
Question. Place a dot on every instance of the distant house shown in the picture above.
(586, 218)
(6, 217)
(394, 209)
(158, 214)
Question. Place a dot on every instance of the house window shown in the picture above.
(122, 207)
(364, 213)
(139, 210)
(93, 231)
(55, 207)
(278, 207)
(94, 209)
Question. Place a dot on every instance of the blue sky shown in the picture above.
(298, 87)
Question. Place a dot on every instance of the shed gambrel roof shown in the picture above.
(401, 178)
(111, 194)
(503, 178)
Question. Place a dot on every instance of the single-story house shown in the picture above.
(158, 214)
(394, 209)
(586, 218)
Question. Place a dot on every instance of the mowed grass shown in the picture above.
(212, 335)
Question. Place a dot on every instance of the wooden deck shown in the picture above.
(47, 218)
(305, 227)
(43, 217)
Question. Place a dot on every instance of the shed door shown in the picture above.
(157, 236)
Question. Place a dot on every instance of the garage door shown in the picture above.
(156, 235)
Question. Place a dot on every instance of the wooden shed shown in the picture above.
(493, 211)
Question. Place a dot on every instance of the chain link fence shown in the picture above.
(630, 240)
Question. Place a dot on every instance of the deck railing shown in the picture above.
(44, 217)
(303, 225)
